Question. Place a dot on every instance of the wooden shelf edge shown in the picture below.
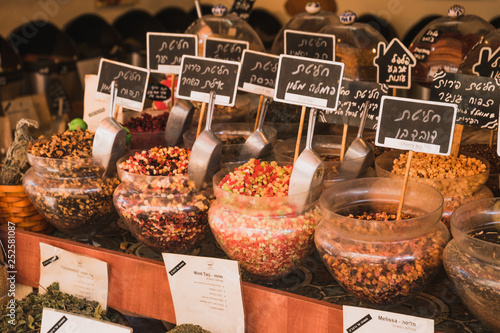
(140, 286)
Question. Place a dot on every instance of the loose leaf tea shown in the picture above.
(188, 328)
(16, 162)
(28, 311)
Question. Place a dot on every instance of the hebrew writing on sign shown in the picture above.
(200, 76)
(310, 45)
(477, 97)
(258, 73)
(354, 97)
(130, 80)
(308, 82)
(417, 125)
(165, 51)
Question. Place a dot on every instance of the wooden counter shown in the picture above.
(140, 286)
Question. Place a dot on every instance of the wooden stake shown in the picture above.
(172, 79)
(457, 139)
(299, 134)
(405, 183)
(259, 108)
(492, 137)
(200, 119)
(344, 140)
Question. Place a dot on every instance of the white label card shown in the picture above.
(206, 292)
(94, 111)
(56, 321)
(362, 320)
(77, 275)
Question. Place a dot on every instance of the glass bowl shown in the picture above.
(268, 236)
(233, 136)
(328, 147)
(71, 194)
(449, 187)
(473, 264)
(382, 263)
(148, 138)
(166, 213)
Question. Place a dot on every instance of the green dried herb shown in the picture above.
(16, 161)
(28, 311)
(188, 328)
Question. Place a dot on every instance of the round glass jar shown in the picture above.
(71, 194)
(473, 264)
(269, 236)
(383, 263)
(166, 213)
(148, 128)
(456, 191)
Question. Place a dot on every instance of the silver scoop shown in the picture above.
(207, 149)
(179, 119)
(110, 138)
(359, 155)
(257, 144)
(309, 167)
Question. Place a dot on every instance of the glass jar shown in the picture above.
(268, 236)
(166, 213)
(71, 194)
(383, 263)
(473, 264)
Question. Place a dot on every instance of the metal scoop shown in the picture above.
(359, 155)
(257, 144)
(309, 167)
(207, 149)
(178, 122)
(110, 138)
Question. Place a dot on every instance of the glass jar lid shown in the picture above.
(312, 20)
(355, 46)
(223, 25)
(443, 43)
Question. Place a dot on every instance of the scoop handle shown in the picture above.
(310, 128)
(210, 112)
(364, 114)
(262, 115)
(112, 98)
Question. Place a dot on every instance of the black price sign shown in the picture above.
(224, 49)
(354, 97)
(158, 92)
(258, 73)
(416, 125)
(310, 45)
(488, 64)
(430, 36)
(478, 98)
(308, 82)
(165, 51)
(394, 64)
(131, 81)
(242, 8)
(200, 76)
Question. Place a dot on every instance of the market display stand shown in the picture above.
(140, 286)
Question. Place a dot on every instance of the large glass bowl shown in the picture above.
(456, 191)
(328, 147)
(71, 194)
(268, 236)
(473, 264)
(383, 263)
(449, 187)
(166, 213)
